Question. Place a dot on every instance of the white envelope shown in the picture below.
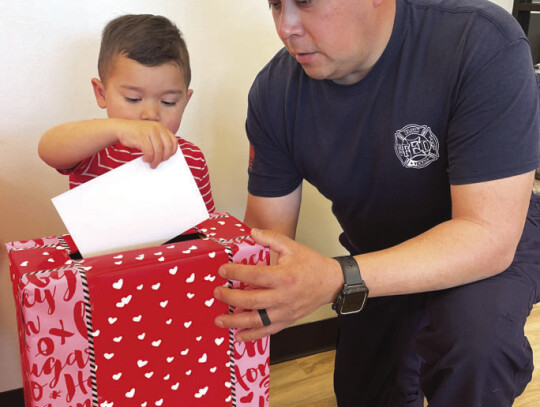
(132, 206)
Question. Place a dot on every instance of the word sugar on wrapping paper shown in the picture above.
(136, 328)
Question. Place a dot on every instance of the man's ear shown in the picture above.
(99, 92)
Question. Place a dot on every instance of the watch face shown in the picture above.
(354, 301)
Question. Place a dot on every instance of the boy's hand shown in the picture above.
(152, 138)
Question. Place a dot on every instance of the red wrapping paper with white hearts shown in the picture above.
(136, 328)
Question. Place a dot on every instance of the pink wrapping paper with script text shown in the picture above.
(136, 328)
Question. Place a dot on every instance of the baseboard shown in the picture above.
(12, 398)
(303, 340)
(291, 343)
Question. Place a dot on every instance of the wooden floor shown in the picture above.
(308, 381)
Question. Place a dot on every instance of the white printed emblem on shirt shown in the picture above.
(416, 146)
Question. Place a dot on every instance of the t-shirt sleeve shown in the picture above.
(494, 128)
(271, 170)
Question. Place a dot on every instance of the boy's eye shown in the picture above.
(168, 103)
(133, 100)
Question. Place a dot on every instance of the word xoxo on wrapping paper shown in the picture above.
(54, 293)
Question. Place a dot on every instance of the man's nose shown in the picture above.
(289, 22)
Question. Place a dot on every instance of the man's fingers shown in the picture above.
(250, 324)
(245, 299)
(253, 275)
(276, 241)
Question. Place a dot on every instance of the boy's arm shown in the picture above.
(65, 145)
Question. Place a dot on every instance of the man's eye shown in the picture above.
(274, 5)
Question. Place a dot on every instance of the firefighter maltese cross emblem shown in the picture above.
(416, 146)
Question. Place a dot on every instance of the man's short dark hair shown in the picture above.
(148, 39)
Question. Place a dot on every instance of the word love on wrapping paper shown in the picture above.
(52, 377)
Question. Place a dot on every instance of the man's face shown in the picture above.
(333, 39)
(138, 92)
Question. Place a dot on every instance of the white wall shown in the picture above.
(48, 55)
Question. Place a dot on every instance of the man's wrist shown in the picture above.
(353, 294)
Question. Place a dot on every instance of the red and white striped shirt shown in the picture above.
(115, 155)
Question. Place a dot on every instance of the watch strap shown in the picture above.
(351, 271)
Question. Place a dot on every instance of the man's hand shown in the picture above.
(152, 138)
(300, 282)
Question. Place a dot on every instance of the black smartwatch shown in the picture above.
(353, 295)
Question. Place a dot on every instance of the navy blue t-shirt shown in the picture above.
(452, 100)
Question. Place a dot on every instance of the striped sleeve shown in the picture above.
(197, 165)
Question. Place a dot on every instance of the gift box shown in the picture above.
(136, 328)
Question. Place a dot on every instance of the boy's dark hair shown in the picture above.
(148, 39)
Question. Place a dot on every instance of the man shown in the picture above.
(418, 119)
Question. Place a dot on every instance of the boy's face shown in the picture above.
(138, 92)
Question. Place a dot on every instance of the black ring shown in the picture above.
(264, 317)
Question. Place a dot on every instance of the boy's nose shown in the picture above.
(150, 112)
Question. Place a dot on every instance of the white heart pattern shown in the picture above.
(201, 392)
(191, 278)
(210, 278)
(139, 257)
(137, 318)
(185, 352)
(190, 295)
(124, 301)
(156, 343)
(117, 376)
(108, 356)
(187, 324)
(203, 358)
(175, 386)
(117, 339)
(212, 255)
(141, 336)
(159, 402)
(209, 302)
(112, 320)
(130, 393)
(173, 271)
(142, 363)
(219, 341)
(149, 375)
(170, 359)
(156, 286)
(118, 284)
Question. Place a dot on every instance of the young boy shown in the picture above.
(144, 82)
